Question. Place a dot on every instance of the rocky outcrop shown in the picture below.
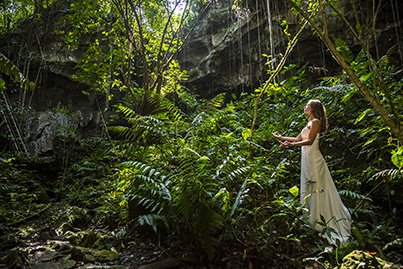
(223, 54)
(225, 51)
(58, 104)
(362, 259)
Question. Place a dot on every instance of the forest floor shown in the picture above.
(61, 236)
(54, 233)
(57, 236)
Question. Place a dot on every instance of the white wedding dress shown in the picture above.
(320, 196)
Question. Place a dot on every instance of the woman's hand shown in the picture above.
(287, 143)
(277, 135)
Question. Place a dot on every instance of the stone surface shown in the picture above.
(223, 54)
(225, 51)
(362, 259)
(63, 264)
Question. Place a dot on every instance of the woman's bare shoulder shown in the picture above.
(313, 122)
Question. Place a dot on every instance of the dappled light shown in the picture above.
(201, 134)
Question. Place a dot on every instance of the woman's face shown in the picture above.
(308, 109)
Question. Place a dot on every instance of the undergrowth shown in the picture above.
(196, 177)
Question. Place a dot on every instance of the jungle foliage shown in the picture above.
(185, 169)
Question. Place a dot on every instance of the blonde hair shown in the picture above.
(319, 112)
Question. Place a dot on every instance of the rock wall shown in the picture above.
(225, 51)
(58, 104)
(223, 54)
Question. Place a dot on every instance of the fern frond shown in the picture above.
(151, 220)
(127, 112)
(337, 88)
(218, 101)
(183, 204)
(186, 166)
(396, 244)
(392, 173)
(169, 107)
(362, 211)
(354, 195)
(209, 223)
(144, 119)
(143, 128)
(147, 186)
(120, 130)
(238, 172)
(238, 199)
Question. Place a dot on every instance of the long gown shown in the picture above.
(320, 196)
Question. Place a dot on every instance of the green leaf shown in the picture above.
(2, 84)
(246, 133)
(362, 115)
(397, 157)
(364, 78)
(294, 191)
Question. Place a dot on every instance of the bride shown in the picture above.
(326, 211)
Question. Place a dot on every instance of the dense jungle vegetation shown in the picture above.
(200, 182)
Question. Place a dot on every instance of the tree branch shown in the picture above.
(290, 47)
(394, 126)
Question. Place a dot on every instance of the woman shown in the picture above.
(318, 192)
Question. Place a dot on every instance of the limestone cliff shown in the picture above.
(225, 51)
(223, 54)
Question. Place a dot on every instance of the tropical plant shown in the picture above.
(132, 53)
(11, 70)
(369, 80)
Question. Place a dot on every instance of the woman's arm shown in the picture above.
(292, 139)
(314, 129)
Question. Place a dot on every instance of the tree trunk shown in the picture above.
(394, 126)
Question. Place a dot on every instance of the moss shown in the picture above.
(364, 260)
(90, 255)
(78, 216)
(105, 255)
(89, 239)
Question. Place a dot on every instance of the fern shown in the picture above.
(218, 100)
(238, 199)
(392, 173)
(354, 195)
(151, 220)
(336, 88)
(147, 186)
(127, 112)
(143, 129)
(209, 222)
(166, 106)
(397, 244)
